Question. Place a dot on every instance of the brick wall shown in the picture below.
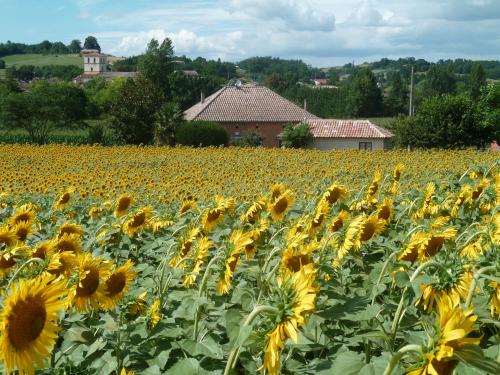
(268, 130)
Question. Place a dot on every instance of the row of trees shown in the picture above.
(47, 47)
(452, 121)
(29, 72)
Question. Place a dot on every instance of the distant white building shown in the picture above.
(95, 65)
(334, 134)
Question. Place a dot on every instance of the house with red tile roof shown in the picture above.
(245, 108)
(339, 134)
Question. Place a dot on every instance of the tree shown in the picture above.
(477, 80)
(277, 82)
(157, 64)
(489, 112)
(364, 97)
(445, 121)
(134, 110)
(2, 64)
(44, 107)
(440, 80)
(91, 43)
(202, 133)
(397, 100)
(296, 136)
(168, 117)
(75, 46)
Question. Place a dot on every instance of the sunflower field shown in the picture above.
(144, 260)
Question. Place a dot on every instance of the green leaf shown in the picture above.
(346, 363)
(401, 279)
(189, 366)
(474, 356)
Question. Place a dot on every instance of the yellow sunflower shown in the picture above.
(253, 212)
(29, 323)
(338, 221)
(495, 299)
(255, 235)
(296, 257)
(117, 284)
(302, 294)
(67, 242)
(138, 221)
(95, 212)
(277, 190)
(24, 213)
(186, 242)
(423, 245)
(373, 188)
(280, 205)
(385, 210)
(211, 218)
(64, 199)
(154, 314)
(89, 291)
(453, 328)
(62, 264)
(8, 261)
(186, 206)
(138, 306)
(319, 218)
(203, 246)
(123, 203)
(334, 193)
(23, 230)
(8, 237)
(239, 241)
(456, 291)
(369, 227)
(70, 228)
(473, 250)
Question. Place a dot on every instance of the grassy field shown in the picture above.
(42, 60)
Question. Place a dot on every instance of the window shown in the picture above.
(365, 146)
(91, 69)
(94, 59)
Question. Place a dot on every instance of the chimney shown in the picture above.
(202, 98)
(305, 110)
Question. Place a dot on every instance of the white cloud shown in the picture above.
(296, 15)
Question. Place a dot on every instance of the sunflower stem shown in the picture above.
(200, 293)
(18, 271)
(399, 310)
(400, 354)
(382, 272)
(233, 356)
(473, 284)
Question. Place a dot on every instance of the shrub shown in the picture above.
(251, 139)
(296, 136)
(202, 133)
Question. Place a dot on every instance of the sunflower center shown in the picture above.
(213, 215)
(435, 244)
(367, 232)
(336, 225)
(6, 263)
(281, 205)
(26, 322)
(64, 198)
(138, 220)
(89, 284)
(116, 283)
(384, 213)
(123, 204)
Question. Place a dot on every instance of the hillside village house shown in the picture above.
(95, 65)
(348, 134)
(242, 109)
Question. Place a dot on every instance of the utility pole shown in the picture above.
(411, 93)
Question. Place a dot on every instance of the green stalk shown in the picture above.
(399, 310)
(233, 356)
(400, 354)
(382, 272)
(18, 271)
(201, 290)
(473, 284)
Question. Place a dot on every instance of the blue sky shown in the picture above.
(321, 32)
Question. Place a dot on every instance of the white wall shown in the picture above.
(89, 66)
(345, 143)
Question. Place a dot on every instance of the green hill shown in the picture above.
(41, 60)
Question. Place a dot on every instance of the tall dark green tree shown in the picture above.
(364, 97)
(44, 107)
(134, 110)
(91, 43)
(440, 80)
(156, 64)
(75, 46)
(168, 117)
(397, 101)
(477, 80)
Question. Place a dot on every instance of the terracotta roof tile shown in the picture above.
(333, 128)
(247, 104)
